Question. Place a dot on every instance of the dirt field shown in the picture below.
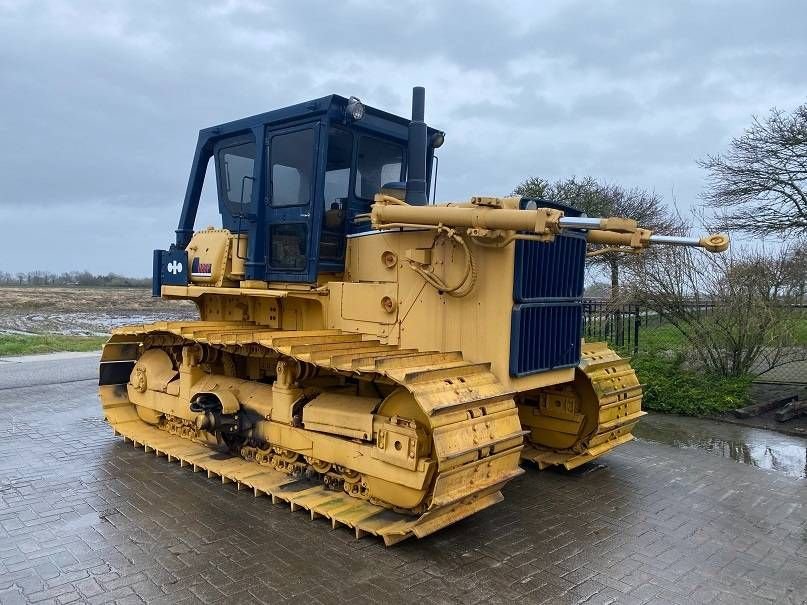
(83, 311)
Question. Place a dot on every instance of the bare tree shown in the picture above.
(603, 199)
(734, 310)
(795, 269)
(760, 184)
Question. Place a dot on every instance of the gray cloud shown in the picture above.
(101, 101)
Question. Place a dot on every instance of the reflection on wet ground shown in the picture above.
(756, 447)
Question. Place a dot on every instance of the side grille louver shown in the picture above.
(544, 336)
(549, 270)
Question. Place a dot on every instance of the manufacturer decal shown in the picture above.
(199, 269)
(174, 267)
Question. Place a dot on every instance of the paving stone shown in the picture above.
(87, 518)
(70, 597)
(12, 597)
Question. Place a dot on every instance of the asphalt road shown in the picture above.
(41, 370)
(87, 518)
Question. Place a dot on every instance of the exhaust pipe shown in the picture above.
(416, 154)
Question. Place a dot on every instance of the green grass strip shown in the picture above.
(30, 344)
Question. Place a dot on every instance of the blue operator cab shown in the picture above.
(293, 180)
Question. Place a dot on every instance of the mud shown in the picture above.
(752, 446)
(83, 311)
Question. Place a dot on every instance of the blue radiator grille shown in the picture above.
(544, 336)
(547, 320)
(549, 270)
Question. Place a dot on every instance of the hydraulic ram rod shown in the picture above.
(675, 240)
(585, 222)
(713, 243)
(641, 238)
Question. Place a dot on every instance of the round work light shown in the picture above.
(355, 108)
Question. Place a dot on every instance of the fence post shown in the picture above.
(636, 322)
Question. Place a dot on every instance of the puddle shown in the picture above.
(755, 447)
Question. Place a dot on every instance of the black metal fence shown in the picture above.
(634, 330)
(618, 325)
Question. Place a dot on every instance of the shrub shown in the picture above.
(670, 387)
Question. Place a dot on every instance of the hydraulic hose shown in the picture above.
(466, 283)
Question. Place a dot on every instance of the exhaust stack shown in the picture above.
(416, 154)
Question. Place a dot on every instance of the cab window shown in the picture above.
(288, 246)
(337, 170)
(237, 167)
(292, 168)
(337, 188)
(379, 163)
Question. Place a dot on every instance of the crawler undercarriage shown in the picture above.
(391, 442)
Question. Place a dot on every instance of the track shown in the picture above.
(614, 394)
(476, 434)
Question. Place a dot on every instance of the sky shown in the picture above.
(101, 102)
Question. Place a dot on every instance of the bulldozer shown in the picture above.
(362, 353)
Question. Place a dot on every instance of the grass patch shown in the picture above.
(661, 338)
(798, 328)
(673, 389)
(29, 344)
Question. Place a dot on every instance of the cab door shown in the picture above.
(292, 180)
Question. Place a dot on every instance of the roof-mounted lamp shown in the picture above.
(354, 109)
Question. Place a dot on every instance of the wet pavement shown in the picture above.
(748, 445)
(34, 370)
(87, 518)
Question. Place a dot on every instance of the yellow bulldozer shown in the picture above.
(378, 360)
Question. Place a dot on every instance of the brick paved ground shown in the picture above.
(85, 518)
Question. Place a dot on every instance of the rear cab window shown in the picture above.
(379, 162)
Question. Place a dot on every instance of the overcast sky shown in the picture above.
(101, 102)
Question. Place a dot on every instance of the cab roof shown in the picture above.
(333, 106)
